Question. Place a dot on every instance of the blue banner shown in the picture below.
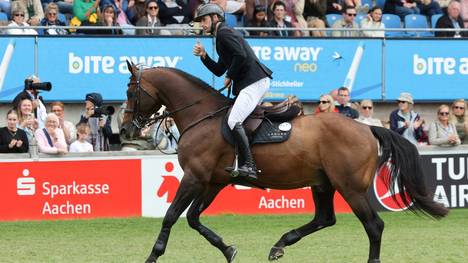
(17, 63)
(77, 66)
(428, 69)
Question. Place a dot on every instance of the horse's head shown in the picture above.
(142, 103)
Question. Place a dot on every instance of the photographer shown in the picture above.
(32, 85)
(99, 120)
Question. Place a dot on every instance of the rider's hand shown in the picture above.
(199, 50)
(227, 82)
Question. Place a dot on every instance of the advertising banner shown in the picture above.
(16, 64)
(70, 189)
(425, 69)
(77, 66)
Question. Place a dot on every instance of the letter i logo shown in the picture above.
(169, 185)
(26, 185)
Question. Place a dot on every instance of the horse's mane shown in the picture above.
(197, 81)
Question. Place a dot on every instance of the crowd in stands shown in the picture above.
(117, 17)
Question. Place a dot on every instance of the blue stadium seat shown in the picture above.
(417, 21)
(230, 19)
(392, 21)
(434, 19)
(380, 3)
(61, 17)
(3, 17)
(332, 18)
(359, 18)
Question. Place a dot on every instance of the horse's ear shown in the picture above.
(131, 67)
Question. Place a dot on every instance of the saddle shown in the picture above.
(267, 124)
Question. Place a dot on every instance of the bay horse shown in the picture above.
(327, 152)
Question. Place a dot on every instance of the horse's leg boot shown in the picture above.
(247, 166)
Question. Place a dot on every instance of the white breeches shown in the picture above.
(247, 100)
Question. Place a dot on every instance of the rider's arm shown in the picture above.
(217, 68)
(233, 45)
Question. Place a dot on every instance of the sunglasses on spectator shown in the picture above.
(443, 113)
(153, 7)
(52, 14)
(352, 14)
(401, 101)
(367, 107)
(324, 102)
(459, 107)
(22, 15)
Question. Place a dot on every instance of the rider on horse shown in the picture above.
(251, 79)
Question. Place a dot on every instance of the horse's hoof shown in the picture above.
(230, 253)
(151, 259)
(276, 253)
(373, 261)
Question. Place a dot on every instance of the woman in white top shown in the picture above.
(373, 21)
(442, 132)
(365, 114)
(17, 20)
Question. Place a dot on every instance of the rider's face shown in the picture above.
(206, 24)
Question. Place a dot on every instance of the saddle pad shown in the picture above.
(268, 132)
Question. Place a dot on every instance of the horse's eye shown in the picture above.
(130, 94)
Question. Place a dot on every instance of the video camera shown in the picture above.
(100, 111)
(46, 86)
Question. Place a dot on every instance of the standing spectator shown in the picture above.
(373, 21)
(405, 121)
(367, 110)
(27, 122)
(313, 15)
(349, 14)
(442, 132)
(100, 126)
(344, 107)
(451, 20)
(260, 20)
(326, 104)
(12, 139)
(460, 119)
(151, 19)
(17, 20)
(69, 129)
(51, 139)
(278, 21)
(401, 8)
(31, 92)
(51, 20)
(34, 12)
(166, 136)
(82, 145)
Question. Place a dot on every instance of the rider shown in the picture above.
(251, 79)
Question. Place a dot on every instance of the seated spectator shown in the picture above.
(313, 15)
(451, 20)
(143, 142)
(81, 145)
(334, 7)
(108, 18)
(166, 136)
(344, 107)
(100, 126)
(278, 21)
(250, 6)
(366, 112)
(26, 120)
(174, 13)
(260, 20)
(33, 11)
(405, 121)
(326, 104)
(69, 129)
(429, 7)
(51, 139)
(349, 14)
(84, 11)
(121, 6)
(12, 139)
(31, 92)
(373, 21)
(150, 19)
(51, 20)
(401, 8)
(136, 9)
(460, 119)
(17, 20)
(442, 132)
(236, 7)
(464, 11)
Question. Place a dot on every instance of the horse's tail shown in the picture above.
(405, 170)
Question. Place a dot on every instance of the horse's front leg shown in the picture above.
(189, 188)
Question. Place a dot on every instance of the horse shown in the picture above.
(327, 152)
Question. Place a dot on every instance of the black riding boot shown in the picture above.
(246, 162)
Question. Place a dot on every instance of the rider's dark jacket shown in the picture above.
(238, 58)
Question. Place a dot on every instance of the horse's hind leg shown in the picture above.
(371, 221)
(188, 189)
(193, 218)
(324, 217)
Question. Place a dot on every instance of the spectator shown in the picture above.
(344, 107)
(51, 20)
(84, 11)
(401, 8)
(334, 7)
(51, 139)
(429, 8)
(27, 122)
(33, 11)
(174, 13)
(31, 92)
(250, 6)
(12, 139)
(69, 129)
(362, 9)
(260, 20)
(464, 11)
(65, 7)
(326, 104)
(442, 132)
(367, 110)
(143, 142)
(460, 119)
(17, 20)
(313, 15)
(373, 21)
(231, 6)
(166, 136)
(349, 14)
(100, 127)
(405, 121)
(451, 20)
(150, 19)
(136, 9)
(278, 21)
(82, 145)
(108, 18)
